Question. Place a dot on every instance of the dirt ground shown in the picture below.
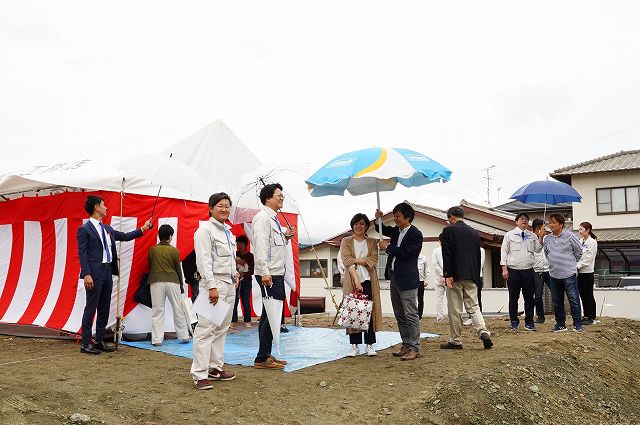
(527, 378)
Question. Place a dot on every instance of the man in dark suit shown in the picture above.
(402, 270)
(461, 270)
(98, 262)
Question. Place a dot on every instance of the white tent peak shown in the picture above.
(214, 152)
(217, 154)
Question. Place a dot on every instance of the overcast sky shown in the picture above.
(527, 87)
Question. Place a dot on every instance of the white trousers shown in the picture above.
(159, 292)
(440, 291)
(208, 339)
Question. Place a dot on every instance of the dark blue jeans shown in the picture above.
(243, 293)
(264, 329)
(521, 280)
(558, 289)
(98, 303)
(540, 279)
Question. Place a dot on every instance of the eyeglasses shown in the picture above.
(279, 196)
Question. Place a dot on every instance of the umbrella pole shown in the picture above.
(154, 204)
(378, 220)
(116, 336)
(324, 277)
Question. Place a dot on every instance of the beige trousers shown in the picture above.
(159, 292)
(464, 294)
(208, 338)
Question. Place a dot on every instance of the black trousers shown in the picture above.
(541, 278)
(370, 334)
(420, 299)
(585, 287)
(264, 329)
(243, 292)
(98, 303)
(521, 280)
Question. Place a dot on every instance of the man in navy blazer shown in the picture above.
(402, 270)
(461, 270)
(97, 265)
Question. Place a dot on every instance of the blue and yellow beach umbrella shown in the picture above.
(375, 170)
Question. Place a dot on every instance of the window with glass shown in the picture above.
(337, 277)
(382, 264)
(618, 200)
(311, 268)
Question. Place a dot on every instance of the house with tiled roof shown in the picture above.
(610, 189)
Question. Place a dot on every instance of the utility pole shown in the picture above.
(488, 178)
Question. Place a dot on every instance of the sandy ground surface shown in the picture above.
(527, 378)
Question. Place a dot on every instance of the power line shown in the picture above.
(615, 133)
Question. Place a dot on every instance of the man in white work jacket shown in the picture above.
(270, 239)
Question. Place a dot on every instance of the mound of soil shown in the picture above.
(527, 378)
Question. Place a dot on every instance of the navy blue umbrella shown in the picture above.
(548, 191)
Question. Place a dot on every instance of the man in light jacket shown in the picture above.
(270, 252)
(517, 258)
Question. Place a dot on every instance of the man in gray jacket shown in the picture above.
(563, 250)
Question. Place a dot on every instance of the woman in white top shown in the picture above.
(360, 258)
(585, 272)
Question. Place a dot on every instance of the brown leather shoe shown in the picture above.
(403, 350)
(277, 360)
(268, 364)
(411, 355)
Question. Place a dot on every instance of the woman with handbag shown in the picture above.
(360, 258)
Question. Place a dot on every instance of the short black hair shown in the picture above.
(242, 239)
(558, 218)
(456, 211)
(522, 215)
(217, 197)
(360, 217)
(267, 191)
(537, 223)
(165, 232)
(91, 202)
(406, 210)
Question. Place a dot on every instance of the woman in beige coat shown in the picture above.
(359, 255)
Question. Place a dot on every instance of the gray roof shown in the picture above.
(621, 161)
(434, 212)
(631, 234)
(489, 210)
(517, 206)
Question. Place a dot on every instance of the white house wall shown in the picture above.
(587, 184)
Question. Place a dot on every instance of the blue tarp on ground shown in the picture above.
(300, 347)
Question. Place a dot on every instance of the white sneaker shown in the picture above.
(370, 351)
(440, 319)
(467, 322)
(354, 351)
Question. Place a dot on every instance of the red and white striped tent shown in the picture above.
(43, 208)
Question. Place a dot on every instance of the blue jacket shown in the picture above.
(90, 247)
(405, 269)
